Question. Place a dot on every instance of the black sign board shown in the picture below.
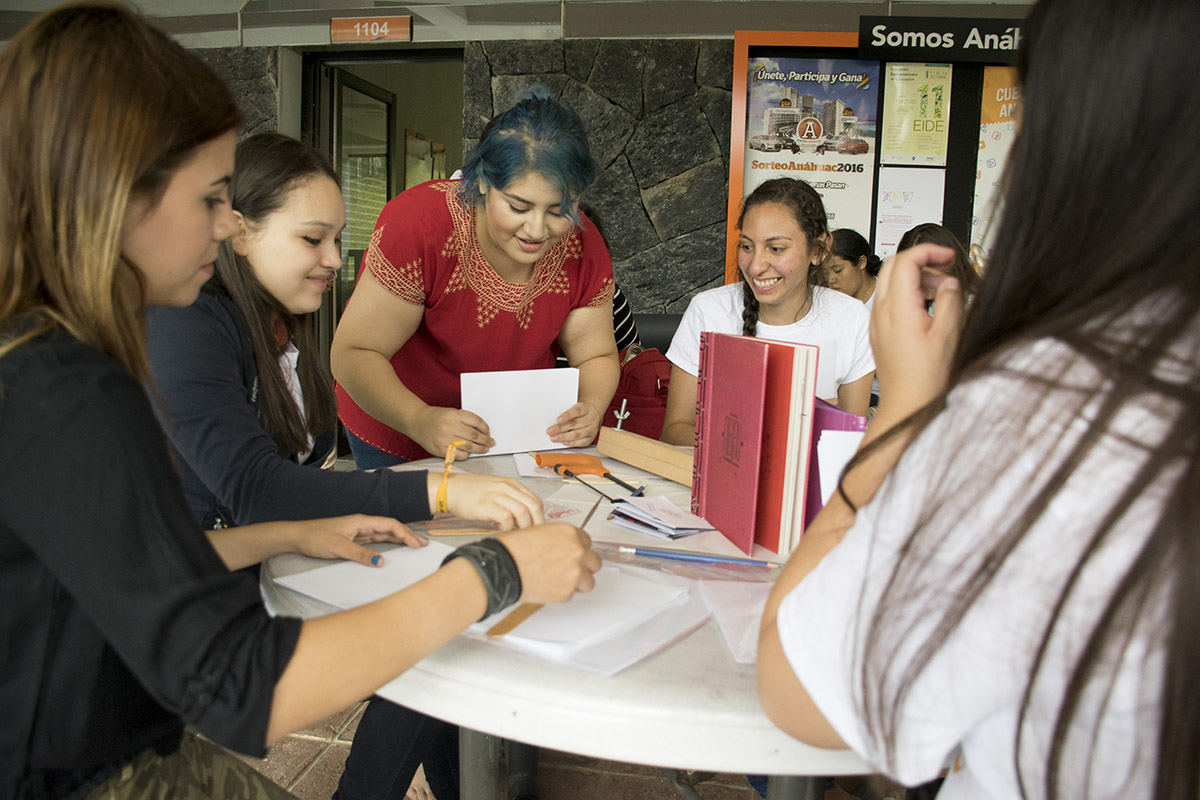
(987, 41)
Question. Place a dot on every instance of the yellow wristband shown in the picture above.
(441, 493)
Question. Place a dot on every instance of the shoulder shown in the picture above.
(428, 201)
(64, 379)
(209, 310)
(212, 322)
(838, 302)
(723, 301)
(841, 309)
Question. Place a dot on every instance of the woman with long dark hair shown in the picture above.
(246, 399)
(1010, 572)
(851, 266)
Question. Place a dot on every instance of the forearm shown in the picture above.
(387, 637)
(780, 692)
(855, 396)
(371, 381)
(598, 379)
(252, 544)
(681, 433)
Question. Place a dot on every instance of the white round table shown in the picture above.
(689, 706)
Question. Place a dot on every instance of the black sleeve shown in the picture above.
(623, 325)
(196, 359)
(96, 499)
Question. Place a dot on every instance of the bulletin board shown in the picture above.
(860, 123)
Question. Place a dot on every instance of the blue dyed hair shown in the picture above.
(540, 135)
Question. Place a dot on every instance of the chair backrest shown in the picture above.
(656, 330)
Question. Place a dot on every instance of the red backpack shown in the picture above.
(641, 397)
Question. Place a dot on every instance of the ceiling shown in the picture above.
(228, 23)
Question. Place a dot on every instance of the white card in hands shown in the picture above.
(519, 405)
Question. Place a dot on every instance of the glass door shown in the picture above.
(356, 134)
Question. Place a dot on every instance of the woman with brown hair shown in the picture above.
(122, 620)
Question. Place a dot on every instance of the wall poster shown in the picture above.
(907, 197)
(806, 118)
(997, 130)
(814, 119)
(916, 114)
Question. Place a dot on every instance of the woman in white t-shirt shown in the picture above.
(1008, 582)
(783, 238)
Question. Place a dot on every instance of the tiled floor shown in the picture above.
(309, 763)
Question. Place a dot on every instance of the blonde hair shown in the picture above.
(98, 108)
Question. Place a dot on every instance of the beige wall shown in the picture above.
(429, 100)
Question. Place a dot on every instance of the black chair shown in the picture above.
(656, 330)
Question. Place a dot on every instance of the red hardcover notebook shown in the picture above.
(730, 398)
(791, 382)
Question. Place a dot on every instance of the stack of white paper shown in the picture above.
(619, 603)
(623, 610)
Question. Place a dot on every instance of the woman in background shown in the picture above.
(783, 238)
(498, 271)
(1009, 578)
(124, 621)
(851, 267)
(962, 270)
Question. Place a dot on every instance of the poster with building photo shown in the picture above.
(997, 130)
(814, 119)
(916, 114)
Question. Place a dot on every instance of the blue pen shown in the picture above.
(682, 555)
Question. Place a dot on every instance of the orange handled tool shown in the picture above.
(572, 464)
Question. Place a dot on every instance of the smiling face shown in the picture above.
(295, 252)
(173, 244)
(519, 223)
(775, 256)
(848, 277)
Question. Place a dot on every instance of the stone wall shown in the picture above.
(252, 74)
(657, 116)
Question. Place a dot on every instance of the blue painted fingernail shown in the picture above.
(375, 561)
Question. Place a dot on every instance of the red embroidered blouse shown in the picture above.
(425, 252)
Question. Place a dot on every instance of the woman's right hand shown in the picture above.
(505, 501)
(555, 560)
(913, 351)
(436, 427)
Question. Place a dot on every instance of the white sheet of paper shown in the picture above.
(619, 602)
(834, 451)
(738, 608)
(519, 405)
(347, 584)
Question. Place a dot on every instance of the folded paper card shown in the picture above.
(519, 405)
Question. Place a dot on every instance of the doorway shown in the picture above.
(368, 113)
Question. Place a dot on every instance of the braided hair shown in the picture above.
(805, 204)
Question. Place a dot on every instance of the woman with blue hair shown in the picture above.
(498, 271)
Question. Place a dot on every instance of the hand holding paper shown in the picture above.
(521, 405)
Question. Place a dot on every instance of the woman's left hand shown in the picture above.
(577, 426)
(341, 537)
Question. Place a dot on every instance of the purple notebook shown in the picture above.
(826, 417)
